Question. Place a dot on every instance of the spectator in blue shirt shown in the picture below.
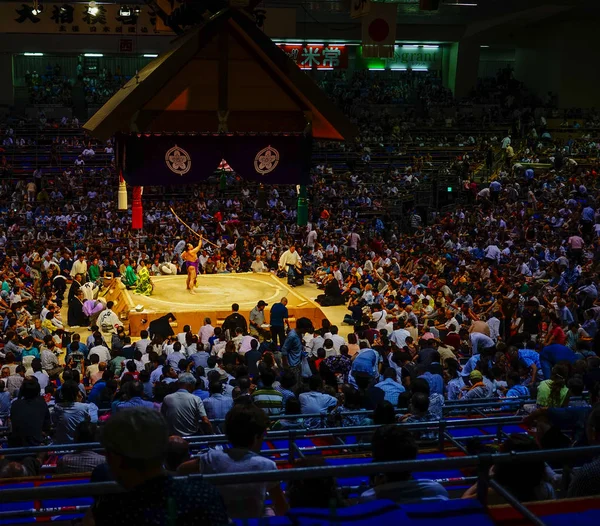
(291, 352)
(76, 338)
(553, 354)
(564, 314)
(435, 381)
(279, 320)
(390, 386)
(218, 404)
(99, 386)
(366, 363)
(530, 359)
(134, 397)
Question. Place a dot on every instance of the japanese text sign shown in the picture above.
(317, 56)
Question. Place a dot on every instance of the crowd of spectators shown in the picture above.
(496, 298)
(98, 89)
(49, 87)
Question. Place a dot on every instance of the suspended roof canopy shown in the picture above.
(226, 65)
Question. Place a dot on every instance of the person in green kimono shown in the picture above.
(144, 283)
(129, 277)
(94, 270)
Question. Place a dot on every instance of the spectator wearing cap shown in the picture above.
(257, 318)
(475, 387)
(366, 363)
(136, 444)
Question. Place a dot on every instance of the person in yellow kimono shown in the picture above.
(144, 284)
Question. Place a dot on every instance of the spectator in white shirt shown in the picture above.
(88, 153)
(79, 266)
(258, 265)
(379, 316)
(100, 349)
(142, 344)
(337, 340)
(206, 332)
(181, 336)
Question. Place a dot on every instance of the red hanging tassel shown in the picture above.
(137, 212)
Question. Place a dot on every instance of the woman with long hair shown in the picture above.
(554, 392)
(230, 355)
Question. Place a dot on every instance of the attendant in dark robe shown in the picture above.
(162, 326)
(75, 315)
(332, 296)
(75, 286)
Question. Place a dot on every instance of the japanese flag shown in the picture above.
(379, 29)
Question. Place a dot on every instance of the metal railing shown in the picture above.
(442, 428)
(482, 462)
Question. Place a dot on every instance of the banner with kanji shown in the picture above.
(319, 56)
(359, 8)
(114, 19)
(158, 160)
(68, 18)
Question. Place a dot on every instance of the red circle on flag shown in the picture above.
(379, 30)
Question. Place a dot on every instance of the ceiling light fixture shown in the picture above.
(93, 8)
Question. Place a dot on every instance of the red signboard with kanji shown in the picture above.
(317, 56)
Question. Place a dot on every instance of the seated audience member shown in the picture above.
(70, 412)
(554, 392)
(390, 444)
(245, 428)
(219, 403)
(29, 416)
(585, 481)
(178, 452)
(390, 386)
(419, 412)
(82, 461)
(136, 443)
(314, 492)
(316, 402)
(183, 411)
(523, 479)
(267, 398)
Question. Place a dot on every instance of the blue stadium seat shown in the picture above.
(17, 506)
(383, 513)
(66, 503)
